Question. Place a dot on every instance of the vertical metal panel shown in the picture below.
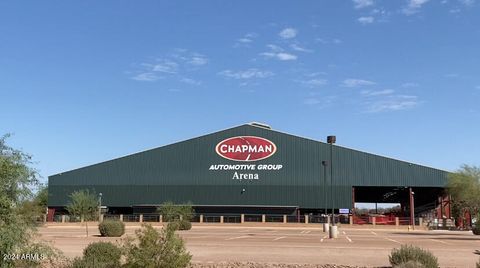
(180, 172)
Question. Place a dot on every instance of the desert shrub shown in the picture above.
(478, 264)
(412, 255)
(410, 264)
(111, 228)
(172, 212)
(476, 229)
(99, 255)
(156, 249)
(184, 225)
(180, 225)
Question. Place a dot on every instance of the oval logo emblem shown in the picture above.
(245, 148)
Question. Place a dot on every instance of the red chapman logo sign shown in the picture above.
(245, 148)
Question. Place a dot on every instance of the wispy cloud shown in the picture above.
(165, 66)
(316, 82)
(299, 48)
(413, 6)
(319, 102)
(362, 3)
(357, 82)
(148, 77)
(173, 66)
(288, 33)
(278, 53)
(198, 60)
(467, 2)
(393, 103)
(246, 40)
(190, 81)
(251, 73)
(377, 92)
(366, 20)
(326, 41)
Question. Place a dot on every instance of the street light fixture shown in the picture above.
(331, 140)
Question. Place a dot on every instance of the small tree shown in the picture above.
(464, 187)
(17, 234)
(84, 205)
(156, 249)
(171, 212)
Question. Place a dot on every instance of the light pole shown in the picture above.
(326, 226)
(325, 164)
(99, 206)
(331, 140)
(412, 208)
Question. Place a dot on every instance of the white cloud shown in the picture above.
(452, 75)
(275, 48)
(393, 103)
(246, 74)
(299, 48)
(286, 56)
(190, 81)
(413, 6)
(198, 60)
(279, 56)
(467, 2)
(288, 33)
(366, 20)
(377, 92)
(362, 3)
(244, 40)
(357, 82)
(326, 41)
(166, 66)
(172, 66)
(149, 77)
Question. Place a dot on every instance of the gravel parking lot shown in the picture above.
(274, 246)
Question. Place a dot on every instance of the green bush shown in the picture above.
(111, 228)
(99, 255)
(156, 249)
(184, 225)
(180, 225)
(476, 229)
(411, 255)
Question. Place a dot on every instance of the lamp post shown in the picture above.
(333, 229)
(331, 140)
(412, 208)
(99, 206)
(325, 164)
(325, 224)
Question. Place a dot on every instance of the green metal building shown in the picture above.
(250, 169)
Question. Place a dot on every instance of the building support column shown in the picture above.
(50, 214)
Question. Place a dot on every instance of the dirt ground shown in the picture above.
(282, 246)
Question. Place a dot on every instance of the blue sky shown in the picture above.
(87, 81)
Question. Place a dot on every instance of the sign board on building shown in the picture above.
(344, 211)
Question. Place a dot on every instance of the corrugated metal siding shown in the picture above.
(180, 172)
